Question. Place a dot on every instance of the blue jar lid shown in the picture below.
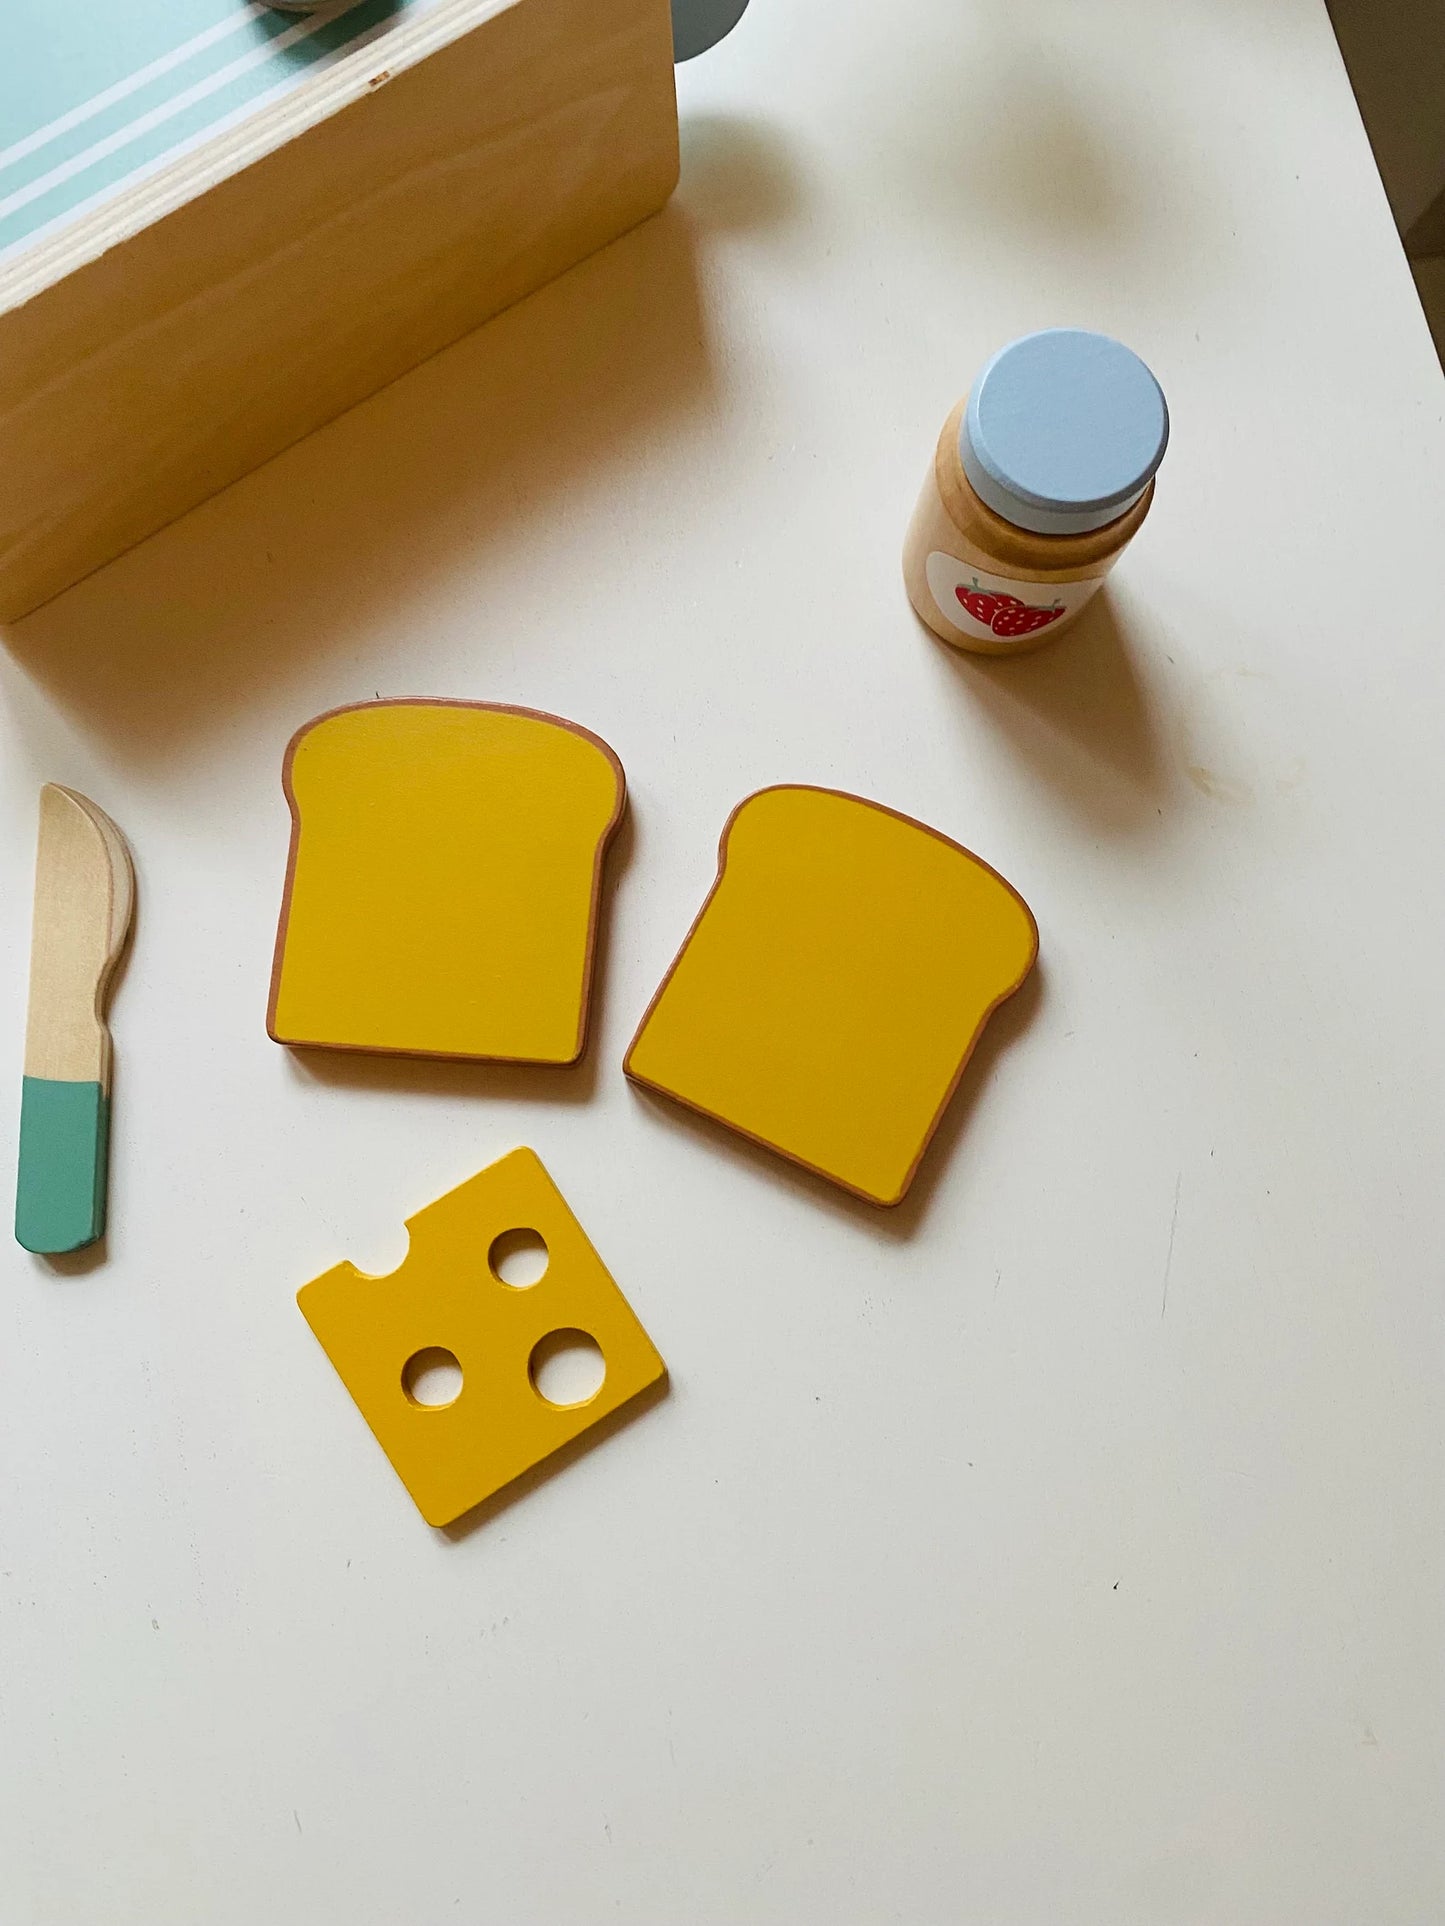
(1063, 431)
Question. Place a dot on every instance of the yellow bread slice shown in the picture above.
(442, 889)
(834, 985)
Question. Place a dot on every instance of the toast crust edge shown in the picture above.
(604, 842)
(816, 1170)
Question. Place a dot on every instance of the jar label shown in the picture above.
(1000, 608)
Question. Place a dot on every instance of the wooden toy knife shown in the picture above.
(84, 899)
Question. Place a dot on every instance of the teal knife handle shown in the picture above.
(64, 1144)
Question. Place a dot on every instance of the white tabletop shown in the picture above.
(1063, 1547)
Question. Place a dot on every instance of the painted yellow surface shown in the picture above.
(827, 998)
(445, 869)
(446, 1295)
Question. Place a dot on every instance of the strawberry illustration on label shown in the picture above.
(1005, 614)
(984, 604)
(1024, 620)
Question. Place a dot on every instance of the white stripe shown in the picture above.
(158, 116)
(11, 250)
(132, 84)
(99, 198)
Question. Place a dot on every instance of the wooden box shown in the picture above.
(204, 259)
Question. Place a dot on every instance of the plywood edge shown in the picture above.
(354, 75)
(145, 381)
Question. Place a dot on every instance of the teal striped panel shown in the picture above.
(95, 93)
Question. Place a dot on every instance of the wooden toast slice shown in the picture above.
(443, 885)
(84, 902)
(833, 987)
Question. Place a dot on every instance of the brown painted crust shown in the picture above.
(603, 843)
(885, 1203)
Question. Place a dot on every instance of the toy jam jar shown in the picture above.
(1040, 479)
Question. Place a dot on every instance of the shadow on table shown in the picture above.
(522, 1487)
(894, 1224)
(986, 130)
(1078, 714)
(738, 175)
(339, 534)
(336, 536)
